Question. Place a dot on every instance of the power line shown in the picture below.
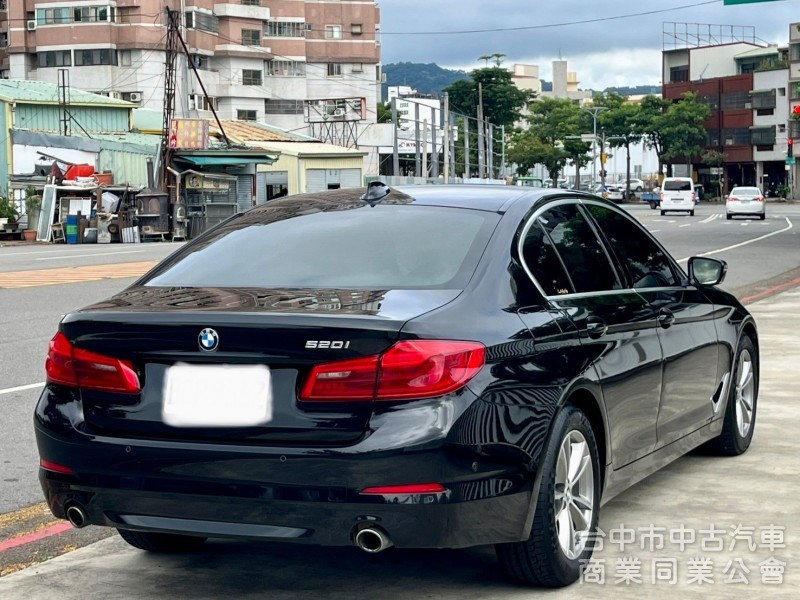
(552, 25)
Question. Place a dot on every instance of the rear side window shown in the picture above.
(337, 246)
(671, 185)
(542, 259)
(579, 249)
(647, 265)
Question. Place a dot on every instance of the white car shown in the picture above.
(637, 185)
(746, 201)
(678, 194)
(609, 192)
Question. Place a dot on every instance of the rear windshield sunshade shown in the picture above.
(357, 246)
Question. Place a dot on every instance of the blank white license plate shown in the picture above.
(677, 199)
(217, 396)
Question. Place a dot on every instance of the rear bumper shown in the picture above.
(305, 495)
(751, 208)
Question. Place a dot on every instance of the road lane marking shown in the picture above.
(654, 230)
(682, 226)
(41, 277)
(28, 538)
(22, 388)
(758, 239)
(71, 257)
(711, 218)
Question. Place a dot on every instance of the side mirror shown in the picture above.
(707, 271)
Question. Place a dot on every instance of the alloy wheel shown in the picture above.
(745, 392)
(574, 494)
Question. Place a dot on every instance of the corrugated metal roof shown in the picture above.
(307, 149)
(40, 92)
(756, 52)
(249, 131)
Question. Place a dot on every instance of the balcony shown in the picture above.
(241, 11)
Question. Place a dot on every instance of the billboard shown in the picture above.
(188, 134)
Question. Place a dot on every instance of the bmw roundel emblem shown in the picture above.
(208, 340)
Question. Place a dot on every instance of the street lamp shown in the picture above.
(594, 111)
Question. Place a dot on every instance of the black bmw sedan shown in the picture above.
(425, 367)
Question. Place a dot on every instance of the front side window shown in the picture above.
(579, 249)
(647, 265)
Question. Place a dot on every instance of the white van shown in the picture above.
(678, 193)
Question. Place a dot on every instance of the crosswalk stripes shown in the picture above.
(42, 277)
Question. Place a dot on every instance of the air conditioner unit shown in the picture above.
(748, 105)
(337, 112)
(136, 96)
(116, 95)
(32, 25)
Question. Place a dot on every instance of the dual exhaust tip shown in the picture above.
(372, 540)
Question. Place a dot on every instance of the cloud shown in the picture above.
(603, 52)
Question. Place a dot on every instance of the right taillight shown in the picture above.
(75, 367)
(408, 370)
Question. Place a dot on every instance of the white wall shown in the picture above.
(766, 80)
(25, 157)
(715, 61)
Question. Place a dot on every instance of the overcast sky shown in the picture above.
(604, 53)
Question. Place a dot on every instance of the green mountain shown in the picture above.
(637, 90)
(425, 78)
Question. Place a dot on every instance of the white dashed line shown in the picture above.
(687, 225)
(758, 239)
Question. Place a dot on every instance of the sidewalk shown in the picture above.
(751, 501)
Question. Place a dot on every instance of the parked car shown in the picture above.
(747, 201)
(678, 194)
(424, 367)
(637, 185)
(609, 192)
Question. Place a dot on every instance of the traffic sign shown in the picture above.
(790, 160)
(588, 137)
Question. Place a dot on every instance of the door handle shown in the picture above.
(596, 328)
(666, 318)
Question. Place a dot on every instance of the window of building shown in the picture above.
(283, 29)
(781, 91)
(251, 37)
(200, 102)
(124, 57)
(748, 67)
(710, 100)
(735, 100)
(678, 74)
(765, 112)
(356, 29)
(286, 68)
(333, 32)
(53, 16)
(763, 136)
(765, 148)
(92, 14)
(358, 68)
(101, 56)
(246, 115)
(766, 99)
(59, 58)
(334, 70)
(250, 2)
(251, 77)
(713, 137)
(283, 107)
(202, 21)
(736, 136)
(782, 128)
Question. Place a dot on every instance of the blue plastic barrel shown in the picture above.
(72, 229)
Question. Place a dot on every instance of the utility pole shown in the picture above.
(467, 173)
(434, 145)
(481, 143)
(503, 152)
(446, 140)
(395, 150)
(425, 148)
(417, 157)
(594, 111)
(490, 149)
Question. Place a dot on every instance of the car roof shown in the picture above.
(494, 198)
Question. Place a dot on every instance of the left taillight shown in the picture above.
(409, 370)
(75, 367)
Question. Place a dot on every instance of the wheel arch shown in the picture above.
(590, 405)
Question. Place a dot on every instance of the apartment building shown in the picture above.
(744, 84)
(258, 59)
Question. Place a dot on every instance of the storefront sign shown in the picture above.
(188, 134)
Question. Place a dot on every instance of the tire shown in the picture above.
(691, 213)
(639, 189)
(735, 439)
(762, 216)
(162, 543)
(542, 559)
(729, 216)
(663, 212)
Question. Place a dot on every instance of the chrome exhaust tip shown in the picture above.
(373, 540)
(76, 515)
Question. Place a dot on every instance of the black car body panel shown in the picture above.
(652, 387)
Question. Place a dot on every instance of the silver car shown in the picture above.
(748, 201)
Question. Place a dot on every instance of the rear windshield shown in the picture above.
(746, 191)
(350, 246)
(678, 186)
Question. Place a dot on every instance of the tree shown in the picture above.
(675, 130)
(502, 100)
(546, 142)
(619, 121)
(384, 112)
